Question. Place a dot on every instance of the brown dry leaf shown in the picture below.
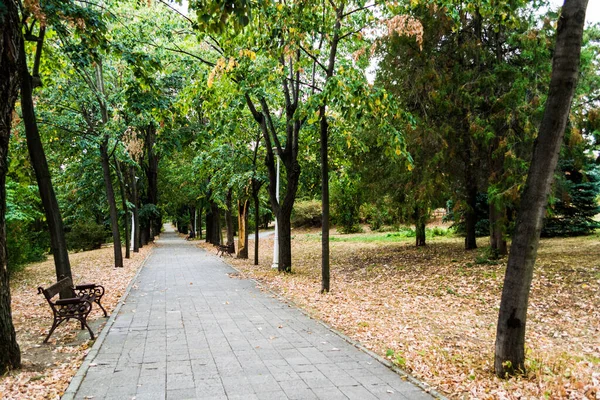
(48, 369)
(435, 309)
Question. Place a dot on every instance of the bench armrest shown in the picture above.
(71, 300)
(86, 286)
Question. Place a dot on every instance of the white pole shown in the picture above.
(276, 240)
(132, 231)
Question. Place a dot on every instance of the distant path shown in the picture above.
(191, 330)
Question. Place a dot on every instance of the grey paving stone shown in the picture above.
(188, 330)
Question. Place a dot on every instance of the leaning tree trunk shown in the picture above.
(471, 214)
(243, 228)
(112, 204)
(58, 243)
(10, 38)
(510, 333)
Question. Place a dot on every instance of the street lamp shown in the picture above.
(276, 240)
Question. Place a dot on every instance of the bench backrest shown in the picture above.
(53, 290)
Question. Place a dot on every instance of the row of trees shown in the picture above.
(461, 94)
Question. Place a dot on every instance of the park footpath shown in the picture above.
(191, 329)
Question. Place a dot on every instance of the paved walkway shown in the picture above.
(188, 330)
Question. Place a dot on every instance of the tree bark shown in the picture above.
(215, 223)
(229, 218)
(58, 243)
(136, 217)
(151, 170)
(110, 196)
(10, 38)
(420, 223)
(121, 180)
(243, 228)
(471, 214)
(497, 223)
(510, 334)
(192, 230)
(256, 221)
(324, 134)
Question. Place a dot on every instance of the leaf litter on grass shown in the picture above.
(433, 310)
(47, 369)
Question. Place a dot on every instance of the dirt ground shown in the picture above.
(433, 310)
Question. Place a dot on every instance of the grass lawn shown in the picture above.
(433, 310)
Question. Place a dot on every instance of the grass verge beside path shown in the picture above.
(433, 310)
(48, 368)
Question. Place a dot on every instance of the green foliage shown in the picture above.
(345, 202)
(306, 213)
(482, 212)
(380, 214)
(24, 244)
(575, 201)
(85, 236)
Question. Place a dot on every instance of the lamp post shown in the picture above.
(276, 240)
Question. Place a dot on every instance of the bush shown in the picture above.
(306, 213)
(86, 236)
(345, 202)
(377, 216)
(23, 245)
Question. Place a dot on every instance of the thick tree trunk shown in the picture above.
(324, 133)
(510, 334)
(58, 243)
(112, 204)
(229, 219)
(208, 224)
(243, 228)
(284, 230)
(121, 180)
(199, 227)
(215, 223)
(10, 38)
(471, 215)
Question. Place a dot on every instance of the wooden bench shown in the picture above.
(228, 248)
(77, 306)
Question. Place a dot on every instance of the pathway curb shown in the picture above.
(82, 371)
(403, 374)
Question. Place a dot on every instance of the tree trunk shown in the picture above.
(10, 38)
(192, 231)
(471, 214)
(420, 223)
(284, 230)
(243, 228)
(256, 222)
(497, 223)
(215, 222)
(110, 196)
(58, 243)
(510, 334)
(136, 217)
(199, 227)
(151, 170)
(229, 219)
(209, 226)
(124, 205)
(324, 133)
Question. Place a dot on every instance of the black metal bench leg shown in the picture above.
(54, 326)
(97, 301)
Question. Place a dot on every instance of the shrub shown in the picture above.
(345, 202)
(23, 245)
(86, 236)
(306, 213)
